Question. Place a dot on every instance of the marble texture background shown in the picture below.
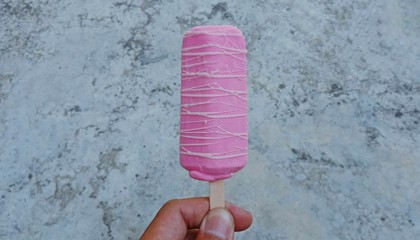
(89, 111)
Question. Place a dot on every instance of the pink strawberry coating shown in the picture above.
(214, 116)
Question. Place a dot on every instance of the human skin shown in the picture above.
(180, 219)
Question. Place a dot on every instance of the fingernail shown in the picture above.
(219, 223)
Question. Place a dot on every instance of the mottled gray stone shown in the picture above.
(89, 109)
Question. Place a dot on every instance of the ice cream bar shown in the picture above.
(214, 116)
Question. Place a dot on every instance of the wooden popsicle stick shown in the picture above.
(217, 194)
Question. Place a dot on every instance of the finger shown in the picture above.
(217, 225)
(242, 218)
(206, 236)
(177, 216)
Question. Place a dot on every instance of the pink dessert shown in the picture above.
(214, 116)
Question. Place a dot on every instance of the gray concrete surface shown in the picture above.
(89, 108)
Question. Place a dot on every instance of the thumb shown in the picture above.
(217, 225)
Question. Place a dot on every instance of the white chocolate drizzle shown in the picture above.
(213, 97)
